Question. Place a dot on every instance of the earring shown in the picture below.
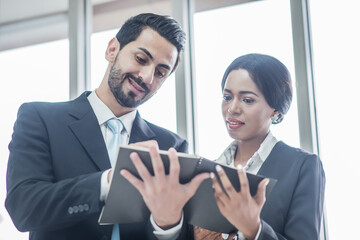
(275, 118)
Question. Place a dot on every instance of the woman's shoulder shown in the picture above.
(292, 153)
(295, 159)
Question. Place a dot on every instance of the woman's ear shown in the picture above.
(276, 112)
(275, 118)
(112, 50)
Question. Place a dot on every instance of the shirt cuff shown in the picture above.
(258, 233)
(242, 237)
(169, 234)
(104, 185)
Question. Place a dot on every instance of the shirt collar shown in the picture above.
(228, 156)
(266, 146)
(103, 113)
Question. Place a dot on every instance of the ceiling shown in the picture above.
(13, 11)
(27, 22)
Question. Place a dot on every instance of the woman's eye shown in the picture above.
(140, 60)
(248, 100)
(226, 98)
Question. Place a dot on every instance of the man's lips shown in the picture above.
(136, 86)
(234, 123)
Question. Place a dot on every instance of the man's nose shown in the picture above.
(147, 74)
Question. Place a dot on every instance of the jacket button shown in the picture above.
(81, 208)
(86, 207)
(76, 209)
(70, 210)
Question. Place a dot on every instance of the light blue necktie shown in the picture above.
(116, 126)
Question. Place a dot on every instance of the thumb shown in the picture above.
(193, 185)
(260, 197)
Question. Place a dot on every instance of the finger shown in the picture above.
(229, 189)
(219, 195)
(174, 171)
(260, 196)
(144, 144)
(244, 183)
(157, 163)
(194, 184)
(138, 184)
(140, 167)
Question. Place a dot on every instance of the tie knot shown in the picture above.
(115, 125)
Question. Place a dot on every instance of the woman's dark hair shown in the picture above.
(271, 77)
(166, 26)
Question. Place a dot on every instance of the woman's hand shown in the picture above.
(240, 208)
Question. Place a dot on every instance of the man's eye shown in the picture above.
(140, 60)
(160, 74)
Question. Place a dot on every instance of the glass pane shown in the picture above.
(336, 50)
(36, 73)
(153, 110)
(223, 34)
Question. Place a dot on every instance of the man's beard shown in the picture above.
(116, 82)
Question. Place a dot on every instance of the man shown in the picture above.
(58, 168)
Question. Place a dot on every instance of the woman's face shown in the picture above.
(244, 108)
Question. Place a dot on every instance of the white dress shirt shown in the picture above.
(103, 114)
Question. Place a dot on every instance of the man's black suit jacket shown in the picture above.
(57, 156)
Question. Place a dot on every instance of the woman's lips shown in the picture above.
(234, 123)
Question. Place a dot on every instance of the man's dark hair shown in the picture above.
(166, 26)
(271, 77)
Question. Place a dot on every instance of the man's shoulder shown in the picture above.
(48, 107)
(167, 138)
(158, 130)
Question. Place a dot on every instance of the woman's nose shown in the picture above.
(234, 108)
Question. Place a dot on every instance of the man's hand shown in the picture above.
(163, 194)
(144, 144)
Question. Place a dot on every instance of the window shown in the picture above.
(220, 36)
(336, 37)
(35, 73)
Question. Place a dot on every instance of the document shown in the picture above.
(124, 204)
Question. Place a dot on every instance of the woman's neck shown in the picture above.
(246, 149)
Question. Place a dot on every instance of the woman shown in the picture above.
(257, 93)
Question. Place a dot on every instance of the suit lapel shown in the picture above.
(140, 130)
(87, 130)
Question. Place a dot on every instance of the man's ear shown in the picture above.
(112, 50)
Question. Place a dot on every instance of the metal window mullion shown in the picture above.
(305, 83)
(80, 19)
(184, 76)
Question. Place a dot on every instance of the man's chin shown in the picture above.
(129, 103)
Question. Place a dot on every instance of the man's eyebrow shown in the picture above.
(152, 58)
(241, 92)
(147, 53)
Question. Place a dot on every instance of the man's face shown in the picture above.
(140, 68)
